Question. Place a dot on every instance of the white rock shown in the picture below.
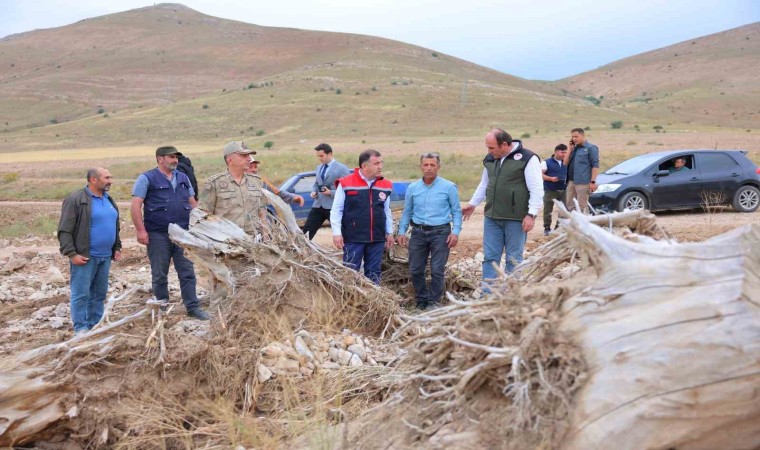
(334, 354)
(53, 276)
(37, 296)
(344, 357)
(143, 269)
(359, 351)
(303, 349)
(355, 361)
(272, 351)
(307, 338)
(329, 365)
(287, 365)
(306, 371)
(263, 373)
(61, 310)
(57, 323)
(371, 361)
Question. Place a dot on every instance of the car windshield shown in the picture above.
(633, 165)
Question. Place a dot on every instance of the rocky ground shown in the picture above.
(34, 293)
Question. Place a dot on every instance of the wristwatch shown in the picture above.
(593, 182)
(532, 215)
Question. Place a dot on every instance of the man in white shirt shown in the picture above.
(513, 189)
(360, 217)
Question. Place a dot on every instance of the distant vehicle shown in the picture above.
(709, 177)
(302, 183)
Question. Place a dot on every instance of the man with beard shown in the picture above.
(88, 232)
(161, 196)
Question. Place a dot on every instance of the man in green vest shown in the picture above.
(513, 189)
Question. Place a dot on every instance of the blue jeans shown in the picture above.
(161, 250)
(422, 244)
(89, 286)
(369, 252)
(499, 235)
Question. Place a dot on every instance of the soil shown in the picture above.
(20, 328)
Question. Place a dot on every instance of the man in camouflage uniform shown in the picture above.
(234, 194)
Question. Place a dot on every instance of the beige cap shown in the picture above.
(237, 147)
(254, 160)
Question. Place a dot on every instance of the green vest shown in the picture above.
(507, 192)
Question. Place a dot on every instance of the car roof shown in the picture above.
(687, 150)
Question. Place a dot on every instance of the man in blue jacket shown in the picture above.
(162, 196)
(554, 173)
(88, 232)
(328, 172)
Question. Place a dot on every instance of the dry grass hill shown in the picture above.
(168, 72)
(711, 80)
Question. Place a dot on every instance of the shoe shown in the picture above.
(547, 231)
(421, 305)
(432, 305)
(198, 313)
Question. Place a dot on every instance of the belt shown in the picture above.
(429, 227)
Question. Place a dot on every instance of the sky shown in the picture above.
(534, 39)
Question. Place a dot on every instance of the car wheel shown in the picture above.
(633, 201)
(746, 199)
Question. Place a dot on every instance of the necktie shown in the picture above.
(323, 171)
(498, 165)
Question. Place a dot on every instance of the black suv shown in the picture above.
(680, 179)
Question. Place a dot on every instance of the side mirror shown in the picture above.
(661, 173)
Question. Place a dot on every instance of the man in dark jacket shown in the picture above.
(162, 196)
(185, 166)
(88, 232)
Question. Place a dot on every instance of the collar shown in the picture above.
(366, 180)
(89, 192)
(515, 146)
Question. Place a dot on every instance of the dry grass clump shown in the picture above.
(462, 360)
(145, 378)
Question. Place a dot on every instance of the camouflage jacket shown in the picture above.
(241, 203)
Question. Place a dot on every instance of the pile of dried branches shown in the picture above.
(147, 377)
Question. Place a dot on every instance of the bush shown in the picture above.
(205, 106)
(592, 99)
(586, 128)
(338, 91)
(101, 110)
(525, 136)
(268, 144)
(394, 82)
(631, 143)
(616, 125)
(10, 177)
(260, 133)
(435, 54)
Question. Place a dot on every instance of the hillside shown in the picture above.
(712, 80)
(165, 71)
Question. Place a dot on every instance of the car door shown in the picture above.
(677, 189)
(301, 184)
(721, 175)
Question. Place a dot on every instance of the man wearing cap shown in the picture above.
(162, 196)
(329, 171)
(235, 194)
(287, 197)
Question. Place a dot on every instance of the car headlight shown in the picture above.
(607, 188)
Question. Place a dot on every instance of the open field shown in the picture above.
(51, 175)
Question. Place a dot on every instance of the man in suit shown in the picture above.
(328, 172)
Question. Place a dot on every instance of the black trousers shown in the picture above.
(314, 221)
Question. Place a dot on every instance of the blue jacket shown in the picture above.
(163, 205)
(582, 160)
(364, 208)
(554, 169)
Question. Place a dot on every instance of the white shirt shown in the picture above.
(533, 179)
(339, 201)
